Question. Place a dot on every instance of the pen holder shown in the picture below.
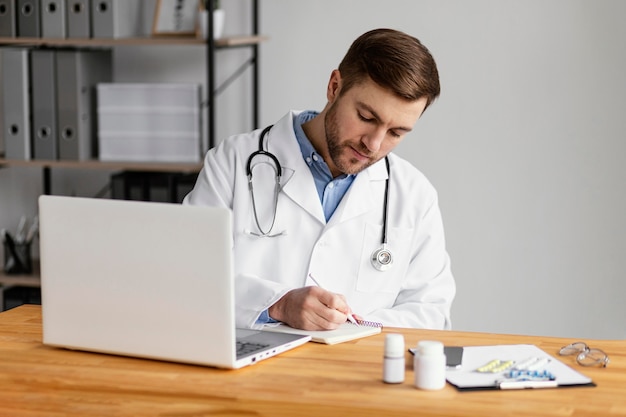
(17, 258)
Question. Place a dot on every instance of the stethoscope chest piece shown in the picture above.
(382, 259)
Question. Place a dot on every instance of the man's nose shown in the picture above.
(374, 139)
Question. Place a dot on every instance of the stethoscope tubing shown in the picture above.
(377, 255)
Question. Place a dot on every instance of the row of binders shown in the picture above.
(49, 102)
(70, 18)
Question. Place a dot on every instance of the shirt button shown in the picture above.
(331, 185)
(315, 158)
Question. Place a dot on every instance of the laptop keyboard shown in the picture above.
(245, 348)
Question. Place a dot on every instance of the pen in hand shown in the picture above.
(351, 318)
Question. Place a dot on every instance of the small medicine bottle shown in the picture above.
(393, 364)
(429, 365)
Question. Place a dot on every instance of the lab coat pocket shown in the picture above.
(371, 279)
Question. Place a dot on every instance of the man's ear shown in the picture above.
(334, 86)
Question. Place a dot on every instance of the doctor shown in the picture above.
(319, 194)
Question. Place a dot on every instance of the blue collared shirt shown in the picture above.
(329, 190)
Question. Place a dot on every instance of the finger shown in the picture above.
(335, 301)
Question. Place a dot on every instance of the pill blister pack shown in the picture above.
(499, 365)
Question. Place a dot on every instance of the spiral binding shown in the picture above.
(369, 323)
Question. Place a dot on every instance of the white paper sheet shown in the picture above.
(476, 356)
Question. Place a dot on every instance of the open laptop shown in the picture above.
(150, 280)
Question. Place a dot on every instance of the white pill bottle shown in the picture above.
(429, 365)
(393, 364)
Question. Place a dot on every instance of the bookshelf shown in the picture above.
(212, 46)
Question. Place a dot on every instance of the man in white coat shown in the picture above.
(328, 222)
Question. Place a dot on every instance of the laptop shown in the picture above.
(143, 279)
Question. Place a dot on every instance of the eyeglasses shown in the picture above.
(585, 355)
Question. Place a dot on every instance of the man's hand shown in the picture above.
(311, 308)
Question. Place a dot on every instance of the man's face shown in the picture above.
(365, 123)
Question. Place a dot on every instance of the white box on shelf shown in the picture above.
(149, 147)
(169, 95)
(149, 120)
(158, 122)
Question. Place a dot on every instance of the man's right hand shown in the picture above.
(311, 308)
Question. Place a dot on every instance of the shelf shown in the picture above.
(227, 42)
(210, 45)
(105, 165)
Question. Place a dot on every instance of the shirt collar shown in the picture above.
(309, 153)
(305, 144)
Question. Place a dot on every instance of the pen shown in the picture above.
(527, 384)
(32, 230)
(20, 235)
(350, 316)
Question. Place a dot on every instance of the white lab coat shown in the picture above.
(416, 292)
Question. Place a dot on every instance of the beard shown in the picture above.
(339, 151)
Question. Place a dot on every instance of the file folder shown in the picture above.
(43, 90)
(8, 19)
(116, 18)
(28, 19)
(78, 18)
(53, 18)
(16, 103)
(77, 74)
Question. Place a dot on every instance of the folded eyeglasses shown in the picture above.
(585, 355)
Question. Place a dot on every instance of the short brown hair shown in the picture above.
(393, 60)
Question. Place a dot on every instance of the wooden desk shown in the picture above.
(312, 380)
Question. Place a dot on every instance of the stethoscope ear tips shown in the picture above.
(382, 259)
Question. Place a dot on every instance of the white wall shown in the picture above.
(525, 146)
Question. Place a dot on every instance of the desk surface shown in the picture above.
(312, 380)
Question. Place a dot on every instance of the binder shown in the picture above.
(116, 18)
(53, 18)
(77, 74)
(43, 93)
(8, 19)
(28, 19)
(78, 18)
(16, 103)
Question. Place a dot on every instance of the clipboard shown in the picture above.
(467, 378)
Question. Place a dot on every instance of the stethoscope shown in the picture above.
(381, 258)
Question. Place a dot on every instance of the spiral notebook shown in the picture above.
(344, 333)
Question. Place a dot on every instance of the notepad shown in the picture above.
(344, 333)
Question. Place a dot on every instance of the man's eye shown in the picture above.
(365, 119)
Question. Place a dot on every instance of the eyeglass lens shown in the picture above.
(585, 355)
(573, 349)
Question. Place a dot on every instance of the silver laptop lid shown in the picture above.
(152, 280)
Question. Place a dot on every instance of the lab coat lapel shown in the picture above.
(362, 196)
(300, 187)
(297, 182)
